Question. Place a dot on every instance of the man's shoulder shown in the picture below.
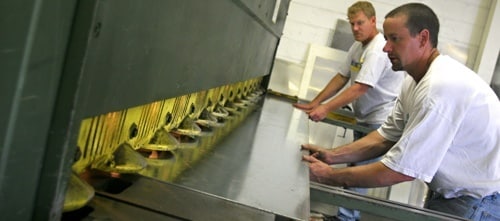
(378, 43)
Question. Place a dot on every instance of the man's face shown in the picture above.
(400, 46)
(361, 26)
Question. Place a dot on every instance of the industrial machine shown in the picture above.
(154, 110)
(134, 94)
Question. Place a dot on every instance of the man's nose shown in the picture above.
(387, 47)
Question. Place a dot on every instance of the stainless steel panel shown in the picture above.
(259, 163)
(165, 201)
(109, 209)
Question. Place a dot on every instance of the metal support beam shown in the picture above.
(384, 208)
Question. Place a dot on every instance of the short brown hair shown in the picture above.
(363, 6)
(419, 17)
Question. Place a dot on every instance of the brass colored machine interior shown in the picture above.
(159, 139)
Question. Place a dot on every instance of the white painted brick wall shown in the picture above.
(314, 21)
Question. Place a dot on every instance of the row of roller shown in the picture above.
(116, 142)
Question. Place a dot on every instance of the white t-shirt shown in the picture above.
(370, 65)
(447, 129)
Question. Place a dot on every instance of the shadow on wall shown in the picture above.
(342, 37)
(495, 81)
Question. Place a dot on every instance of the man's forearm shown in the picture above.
(370, 175)
(370, 146)
(331, 89)
(348, 96)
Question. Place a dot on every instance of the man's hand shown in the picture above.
(311, 148)
(319, 113)
(316, 112)
(318, 171)
(318, 152)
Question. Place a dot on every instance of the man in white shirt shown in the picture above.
(374, 85)
(444, 129)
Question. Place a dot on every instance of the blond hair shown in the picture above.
(363, 6)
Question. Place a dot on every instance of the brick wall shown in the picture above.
(314, 21)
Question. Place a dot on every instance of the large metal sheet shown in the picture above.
(259, 164)
(109, 209)
(170, 201)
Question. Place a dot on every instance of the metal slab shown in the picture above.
(259, 164)
(254, 173)
(153, 198)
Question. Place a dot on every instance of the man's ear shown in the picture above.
(424, 37)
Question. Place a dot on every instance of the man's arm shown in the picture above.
(368, 147)
(346, 97)
(334, 86)
(370, 175)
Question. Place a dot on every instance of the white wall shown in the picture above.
(486, 65)
(313, 21)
